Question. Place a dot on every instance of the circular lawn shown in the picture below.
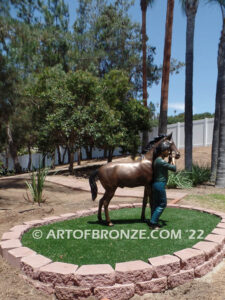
(84, 241)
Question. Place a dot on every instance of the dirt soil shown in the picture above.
(14, 209)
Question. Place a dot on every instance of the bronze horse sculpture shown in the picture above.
(114, 175)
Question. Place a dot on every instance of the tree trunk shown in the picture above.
(53, 160)
(216, 128)
(215, 141)
(64, 154)
(7, 158)
(144, 66)
(89, 152)
(71, 161)
(110, 155)
(13, 150)
(191, 10)
(220, 175)
(43, 160)
(68, 155)
(166, 69)
(188, 116)
(79, 156)
(59, 155)
(105, 153)
(30, 159)
(144, 139)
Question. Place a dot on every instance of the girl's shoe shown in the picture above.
(154, 226)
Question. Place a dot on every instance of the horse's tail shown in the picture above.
(93, 185)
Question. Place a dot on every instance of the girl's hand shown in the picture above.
(173, 160)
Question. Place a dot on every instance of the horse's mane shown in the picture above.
(150, 145)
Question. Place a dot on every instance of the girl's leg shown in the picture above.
(154, 199)
(161, 201)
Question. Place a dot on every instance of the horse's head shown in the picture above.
(173, 148)
(152, 146)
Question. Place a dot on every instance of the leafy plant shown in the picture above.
(185, 180)
(179, 180)
(200, 174)
(4, 171)
(37, 185)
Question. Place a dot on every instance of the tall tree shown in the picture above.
(218, 155)
(221, 67)
(55, 35)
(144, 4)
(27, 10)
(190, 7)
(8, 87)
(166, 68)
(106, 38)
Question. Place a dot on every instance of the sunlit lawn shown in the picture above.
(212, 201)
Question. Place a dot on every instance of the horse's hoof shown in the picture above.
(110, 224)
(100, 221)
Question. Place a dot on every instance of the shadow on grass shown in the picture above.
(162, 223)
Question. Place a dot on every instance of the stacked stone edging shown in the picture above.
(68, 281)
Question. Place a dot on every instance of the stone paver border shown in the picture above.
(68, 281)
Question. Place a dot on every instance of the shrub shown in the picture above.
(37, 185)
(4, 171)
(179, 180)
(185, 180)
(200, 174)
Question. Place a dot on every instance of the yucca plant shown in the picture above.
(36, 186)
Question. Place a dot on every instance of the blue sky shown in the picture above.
(207, 33)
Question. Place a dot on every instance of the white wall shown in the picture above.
(37, 158)
(202, 133)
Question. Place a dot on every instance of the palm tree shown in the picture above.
(218, 146)
(220, 66)
(144, 4)
(190, 7)
(166, 69)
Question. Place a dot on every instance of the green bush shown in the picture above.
(37, 185)
(200, 174)
(4, 171)
(180, 180)
(185, 180)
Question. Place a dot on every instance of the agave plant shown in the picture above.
(36, 185)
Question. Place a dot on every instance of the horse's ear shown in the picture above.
(170, 136)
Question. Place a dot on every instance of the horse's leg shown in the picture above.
(144, 203)
(109, 196)
(101, 201)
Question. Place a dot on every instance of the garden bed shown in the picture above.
(160, 273)
(93, 243)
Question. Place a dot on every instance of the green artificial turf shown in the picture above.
(181, 229)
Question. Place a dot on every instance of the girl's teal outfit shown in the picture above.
(160, 168)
